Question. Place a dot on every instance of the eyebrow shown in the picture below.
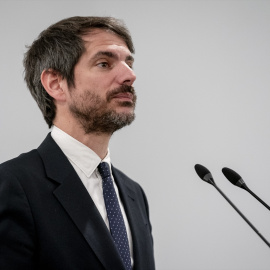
(111, 55)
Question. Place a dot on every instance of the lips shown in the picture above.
(124, 96)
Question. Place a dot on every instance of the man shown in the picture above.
(63, 205)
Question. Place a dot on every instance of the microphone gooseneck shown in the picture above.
(237, 180)
(206, 176)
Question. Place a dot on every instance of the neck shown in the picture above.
(98, 142)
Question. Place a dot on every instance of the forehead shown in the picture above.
(99, 39)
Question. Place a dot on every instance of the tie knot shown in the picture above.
(104, 169)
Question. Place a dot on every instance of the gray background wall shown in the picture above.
(203, 97)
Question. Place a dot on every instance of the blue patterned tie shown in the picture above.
(116, 221)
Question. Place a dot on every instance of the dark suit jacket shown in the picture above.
(49, 221)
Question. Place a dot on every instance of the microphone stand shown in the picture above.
(237, 210)
(255, 196)
(206, 176)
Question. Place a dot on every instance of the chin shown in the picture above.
(125, 110)
(124, 107)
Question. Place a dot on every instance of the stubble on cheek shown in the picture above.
(96, 115)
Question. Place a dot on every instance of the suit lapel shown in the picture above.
(75, 199)
(132, 209)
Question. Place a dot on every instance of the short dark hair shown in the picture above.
(59, 48)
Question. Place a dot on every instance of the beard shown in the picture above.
(95, 115)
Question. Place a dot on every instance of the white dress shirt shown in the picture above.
(85, 162)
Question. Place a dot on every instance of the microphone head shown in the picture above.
(204, 174)
(234, 177)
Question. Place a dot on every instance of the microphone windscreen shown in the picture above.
(231, 175)
(201, 171)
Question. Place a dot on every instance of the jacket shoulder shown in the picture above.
(23, 162)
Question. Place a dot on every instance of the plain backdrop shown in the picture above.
(203, 85)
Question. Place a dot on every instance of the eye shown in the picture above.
(130, 64)
(103, 64)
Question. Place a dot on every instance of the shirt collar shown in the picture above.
(78, 153)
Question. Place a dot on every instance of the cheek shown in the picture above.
(98, 84)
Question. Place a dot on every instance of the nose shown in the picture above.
(126, 75)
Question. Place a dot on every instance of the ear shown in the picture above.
(54, 84)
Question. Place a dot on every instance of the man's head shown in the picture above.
(62, 47)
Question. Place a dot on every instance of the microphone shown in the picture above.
(237, 180)
(206, 176)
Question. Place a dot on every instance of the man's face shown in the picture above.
(103, 99)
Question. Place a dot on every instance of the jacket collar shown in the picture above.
(75, 199)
